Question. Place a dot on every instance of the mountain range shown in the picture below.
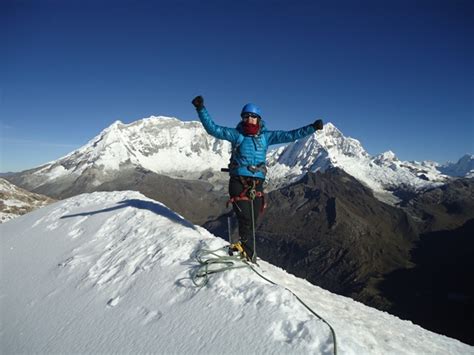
(183, 150)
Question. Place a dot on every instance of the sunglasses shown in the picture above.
(247, 115)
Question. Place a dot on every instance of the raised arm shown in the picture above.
(277, 137)
(220, 132)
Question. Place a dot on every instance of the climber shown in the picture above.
(247, 167)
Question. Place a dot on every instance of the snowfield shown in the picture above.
(109, 272)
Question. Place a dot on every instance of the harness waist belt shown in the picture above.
(252, 168)
(256, 168)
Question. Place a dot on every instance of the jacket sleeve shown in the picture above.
(277, 137)
(220, 132)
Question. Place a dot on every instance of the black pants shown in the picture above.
(243, 209)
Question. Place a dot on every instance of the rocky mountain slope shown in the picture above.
(335, 232)
(196, 199)
(15, 201)
(444, 207)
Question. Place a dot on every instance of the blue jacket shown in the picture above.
(248, 151)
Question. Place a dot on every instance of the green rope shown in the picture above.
(206, 268)
(213, 264)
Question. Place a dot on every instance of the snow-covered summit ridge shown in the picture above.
(332, 139)
(110, 272)
(330, 148)
(164, 145)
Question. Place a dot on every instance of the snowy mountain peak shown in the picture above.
(114, 127)
(159, 120)
(116, 124)
(330, 142)
(386, 157)
(321, 150)
(164, 145)
(330, 130)
(332, 139)
(463, 167)
(330, 148)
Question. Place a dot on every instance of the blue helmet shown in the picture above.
(252, 108)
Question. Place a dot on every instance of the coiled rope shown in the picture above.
(210, 262)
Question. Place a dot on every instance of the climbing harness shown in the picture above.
(215, 263)
(249, 193)
(252, 168)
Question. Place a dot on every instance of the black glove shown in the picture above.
(198, 102)
(318, 125)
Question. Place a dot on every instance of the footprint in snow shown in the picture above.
(289, 331)
(75, 233)
(149, 316)
(113, 301)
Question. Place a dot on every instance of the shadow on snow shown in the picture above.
(143, 205)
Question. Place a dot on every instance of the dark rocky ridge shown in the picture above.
(195, 200)
(443, 208)
(345, 235)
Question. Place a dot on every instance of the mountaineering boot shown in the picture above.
(248, 251)
(238, 247)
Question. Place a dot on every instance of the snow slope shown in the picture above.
(110, 272)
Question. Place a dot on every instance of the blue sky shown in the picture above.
(396, 74)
